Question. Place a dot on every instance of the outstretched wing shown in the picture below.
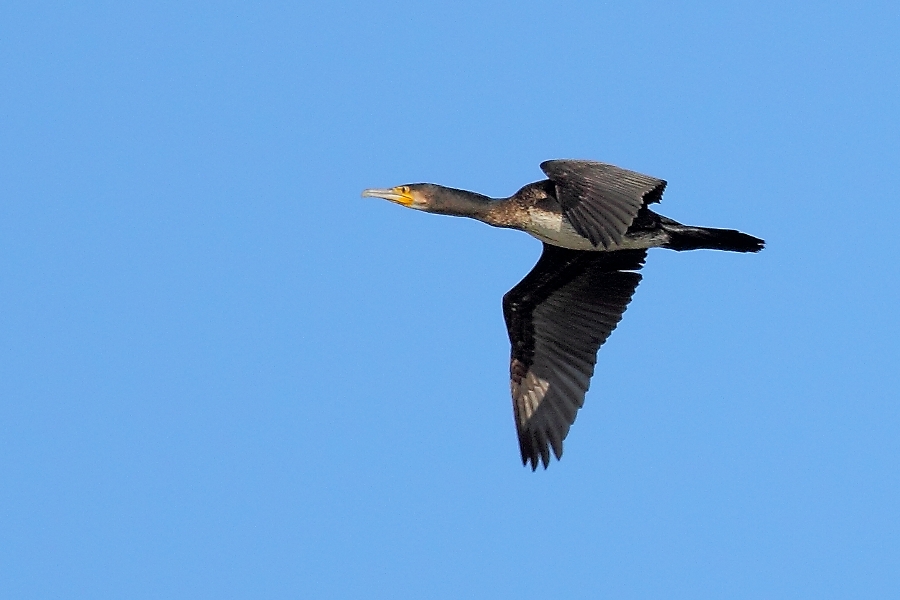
(601, 200)
(558, 316)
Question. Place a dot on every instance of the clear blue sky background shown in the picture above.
(223, 374)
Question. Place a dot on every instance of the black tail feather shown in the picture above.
(682, 237)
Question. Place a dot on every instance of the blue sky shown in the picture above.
(223, 374)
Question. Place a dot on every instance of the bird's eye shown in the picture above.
(405, 189)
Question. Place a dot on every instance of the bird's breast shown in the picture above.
(553, 228)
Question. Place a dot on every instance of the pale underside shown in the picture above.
(553, 228)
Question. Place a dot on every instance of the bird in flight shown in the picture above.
(596, 225)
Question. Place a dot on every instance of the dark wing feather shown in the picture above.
(601, 200)
(558, 316)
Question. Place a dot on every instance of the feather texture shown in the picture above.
(601, 200)
(557, 317)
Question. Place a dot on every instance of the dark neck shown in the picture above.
(461, 203)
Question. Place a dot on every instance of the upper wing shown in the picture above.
(601, 200)
(558, 316)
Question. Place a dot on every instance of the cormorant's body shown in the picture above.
(596, 227)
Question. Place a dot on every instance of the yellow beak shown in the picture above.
(398, 194)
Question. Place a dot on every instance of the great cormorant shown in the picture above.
(594, 221)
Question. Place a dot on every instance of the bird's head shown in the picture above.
(433, 198)
(414, 195)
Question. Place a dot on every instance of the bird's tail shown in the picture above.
(685, 237)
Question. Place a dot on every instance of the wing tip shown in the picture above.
(535, 449)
